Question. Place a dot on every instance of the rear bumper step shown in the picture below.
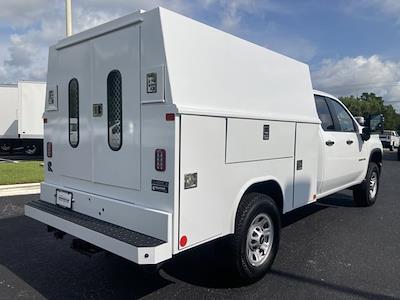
(132, 245)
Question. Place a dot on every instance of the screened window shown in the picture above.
(73, 112)
(324, 114)
(114, 109)
(345, 121)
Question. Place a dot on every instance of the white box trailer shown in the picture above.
(163, 133)
(21, 123)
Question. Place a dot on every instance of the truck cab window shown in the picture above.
(73, 112)
(114, 109)
(324, 114)
(344, 119)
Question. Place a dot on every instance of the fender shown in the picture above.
(373, 151)
(243, 190)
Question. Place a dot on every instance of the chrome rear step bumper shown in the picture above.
(132, 245)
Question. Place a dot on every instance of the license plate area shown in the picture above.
(64, 199)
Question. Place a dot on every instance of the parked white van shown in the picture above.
(163, 133)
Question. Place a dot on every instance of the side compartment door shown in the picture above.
(201, 196)
(116, 93)
(307, 150)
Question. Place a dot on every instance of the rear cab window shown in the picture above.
(324, 113)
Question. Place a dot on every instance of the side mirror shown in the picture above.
(366, 134)
(375, 124)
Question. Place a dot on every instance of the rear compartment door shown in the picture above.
(72, 151)
(116, 92)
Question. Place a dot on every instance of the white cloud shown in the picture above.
(40, 23)
(19, 13)
(368, 8)
(232, 12)
(354, 75)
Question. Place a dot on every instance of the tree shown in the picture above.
(369, 103)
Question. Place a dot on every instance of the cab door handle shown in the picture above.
(349, 142)
(329, 143)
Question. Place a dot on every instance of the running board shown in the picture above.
(132, 245)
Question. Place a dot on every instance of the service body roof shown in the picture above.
(212, 72)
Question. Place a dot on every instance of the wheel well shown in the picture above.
(270, 188)
(376, 157)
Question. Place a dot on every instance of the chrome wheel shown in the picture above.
(30, 149)
(259, 239)
(5, 147)
(373, 185)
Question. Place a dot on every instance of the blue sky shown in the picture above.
(351, 45)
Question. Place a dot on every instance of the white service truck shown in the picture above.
(390, 139)
(21, 123)
(163, 133)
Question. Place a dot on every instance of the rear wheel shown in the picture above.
(256, 238)
(366, 193)
(31, 149)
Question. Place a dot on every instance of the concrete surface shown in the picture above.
(19, 189)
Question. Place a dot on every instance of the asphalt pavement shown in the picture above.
(328, 250)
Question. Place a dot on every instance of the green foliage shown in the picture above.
(369, 103)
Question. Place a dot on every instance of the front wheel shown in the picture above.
(366, 193)
(398, 154)
(5, 147)
(256, 238)
(391, 148)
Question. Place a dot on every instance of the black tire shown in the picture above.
(391, 148)
(31, 149)
(251, 207)
(5, 148)
(362, 194)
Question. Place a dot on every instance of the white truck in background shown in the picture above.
(163, 133)
(21, 123)
(390, 139)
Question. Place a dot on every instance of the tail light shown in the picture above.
(160, 156)
(169, 117)
(49, 149)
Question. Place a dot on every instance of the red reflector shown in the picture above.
(170, 117)
(49, 149)
(45, 120)
(159, 158)
(183, 241)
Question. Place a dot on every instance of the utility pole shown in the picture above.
(68, 17)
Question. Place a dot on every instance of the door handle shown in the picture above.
(329, 143)
(349, 142)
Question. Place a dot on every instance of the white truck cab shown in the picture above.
(163, 133)
(390, 139)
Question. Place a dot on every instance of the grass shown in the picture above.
(21, 172)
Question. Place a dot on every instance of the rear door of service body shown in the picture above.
(343, 147)
(98, 139)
